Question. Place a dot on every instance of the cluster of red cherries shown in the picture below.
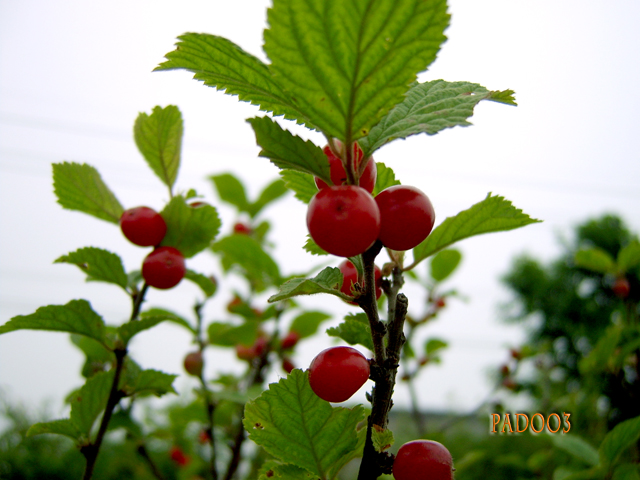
(164, 267)
(345, 220)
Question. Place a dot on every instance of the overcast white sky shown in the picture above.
(75, 74)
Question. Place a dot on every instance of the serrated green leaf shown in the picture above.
(80, 187)
(629, 257)
(444, 263)
(312, 247)
(382, 440)
(271, 193)
(90, 401)
(97, 357)
(273, 471)
(328, 280)
(493, 214)
(306, 324)
(130, 329)
(347, 63)
(432, 345)
(189, 229)
(577, 447)
(288, 151)
(99, 265)
(428, 108)
(355, 330)
(247, 253)
(626, 471)
(147, 382)
(63, 426)
(503, 96)
(222, 64)
(159, 139)
(595, 259)
(77, 316)
(302, 184)
(618, 440)
(295, 426)
(227, 335)
(206, 284)
(166, 315)
(231, 190)
(385, 178)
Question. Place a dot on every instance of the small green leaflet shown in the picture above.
(206, 284)
(227, 335)
(77, 316)
(130, 329)
(382, 439)
(348, 62)
(135, 381)
(306, 324)
(80, 187)
(159, 139)
(313, 248)
(577, 447)
(618, 440)
(444, 263)
(493, 214)
(222, 64)
(159, 314)
(355, 330)
(595, 259)
(629, 257)
(231, 190)
(302, 184)
(429, 108)
(295, 426)
(328, 280)
(99, 265)
(271, 193)
(63, 426)
(288, 151)
(385, 178)
(189, 229)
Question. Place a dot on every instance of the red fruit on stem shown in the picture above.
(245, 352)
(337, 373)
(344, 220)
(178, 456)
(350, 276)
(290, 340)
(440, 303)
(287, 365)
(193, 364)
(423, 460)
(143, 226)
(621, 287)
(339, 175)
(241, 229)
(406, 217)
(164, 268)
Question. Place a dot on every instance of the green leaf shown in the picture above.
(63, 426)
(295, 426)
(274, 471)
(493, 214)
(599, 358)
(136, 381)
(77, 316)
(355, 330)
(130, 329)
(222, 64)
(433, 345)
(626, 471)
(577, 447)
(90, 401)
(271, 193)
(80, 187)
(313, 248)
(302, 184)
(227, 335)
(347, 63)
(429, 108)
(189, 229)
(231, 190)
(618, 440)
(158, 313)
(629, 257)
(159, 139)
(99, 265)
(246, 253)
(288, 151)
(328, 280)
(444, 263)
(595, 259)
(306, 324)
(382, 439)
(385, 178)
(206, 284)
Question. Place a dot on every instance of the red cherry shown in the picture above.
(287, 365)
(337, 373)
(163, 268)
(143, 226)
(440, 303)
(178, 456)
(406, 217)
(621, 287)
(290, 340)
(350, 276)
(241, 228)
(193, 364)
(249, 353)
(343, 220)
(339, 175)
(423, 460)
